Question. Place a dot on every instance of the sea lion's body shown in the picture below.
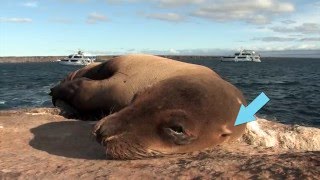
(113, 84)
(160, 106)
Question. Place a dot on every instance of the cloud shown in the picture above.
(174, 51)
(61, 20)
(31, 4)
(308, 28)
(15, 20)
(95, 17)
(255, 12)
(161, 3)
(275, 39)
(316, 39)
(177, 3)
(258, 20)
(305, 28)
(316, 4)
(304, 53)
(171, 17)
(199, 51)
(75, 1)
(288, 21)
(286, 39)
(122, 1)
(98, 52)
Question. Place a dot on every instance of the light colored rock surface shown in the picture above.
(265, 133)
(39, 144)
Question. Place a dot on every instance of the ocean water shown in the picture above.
(292, 84)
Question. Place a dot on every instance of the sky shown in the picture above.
(172, 27)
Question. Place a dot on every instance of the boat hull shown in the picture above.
(68, 63)
(234, 59)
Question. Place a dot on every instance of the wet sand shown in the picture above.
(39, 143)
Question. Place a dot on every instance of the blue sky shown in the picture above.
(177, 27)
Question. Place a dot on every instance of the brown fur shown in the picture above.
(160, 106)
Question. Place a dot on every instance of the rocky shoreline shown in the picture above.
(41, 144)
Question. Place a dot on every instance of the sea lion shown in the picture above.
(159, 106)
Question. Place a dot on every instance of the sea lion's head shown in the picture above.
(177, 115)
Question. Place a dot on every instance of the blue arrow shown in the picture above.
(246, 114)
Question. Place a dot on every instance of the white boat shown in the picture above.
(243, 56)
(78, 59)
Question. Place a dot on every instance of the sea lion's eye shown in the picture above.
(178, 135)
(177, 129)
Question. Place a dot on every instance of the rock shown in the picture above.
(48, 146)
(271, 134)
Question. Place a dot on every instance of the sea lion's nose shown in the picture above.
(105, 128)
(98, 138)
(100, 135)
(96, 132)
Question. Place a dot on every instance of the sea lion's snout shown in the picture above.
(116, 141)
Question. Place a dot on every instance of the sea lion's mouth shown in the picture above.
(122, 145)
(118, 148)
(100, 138)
